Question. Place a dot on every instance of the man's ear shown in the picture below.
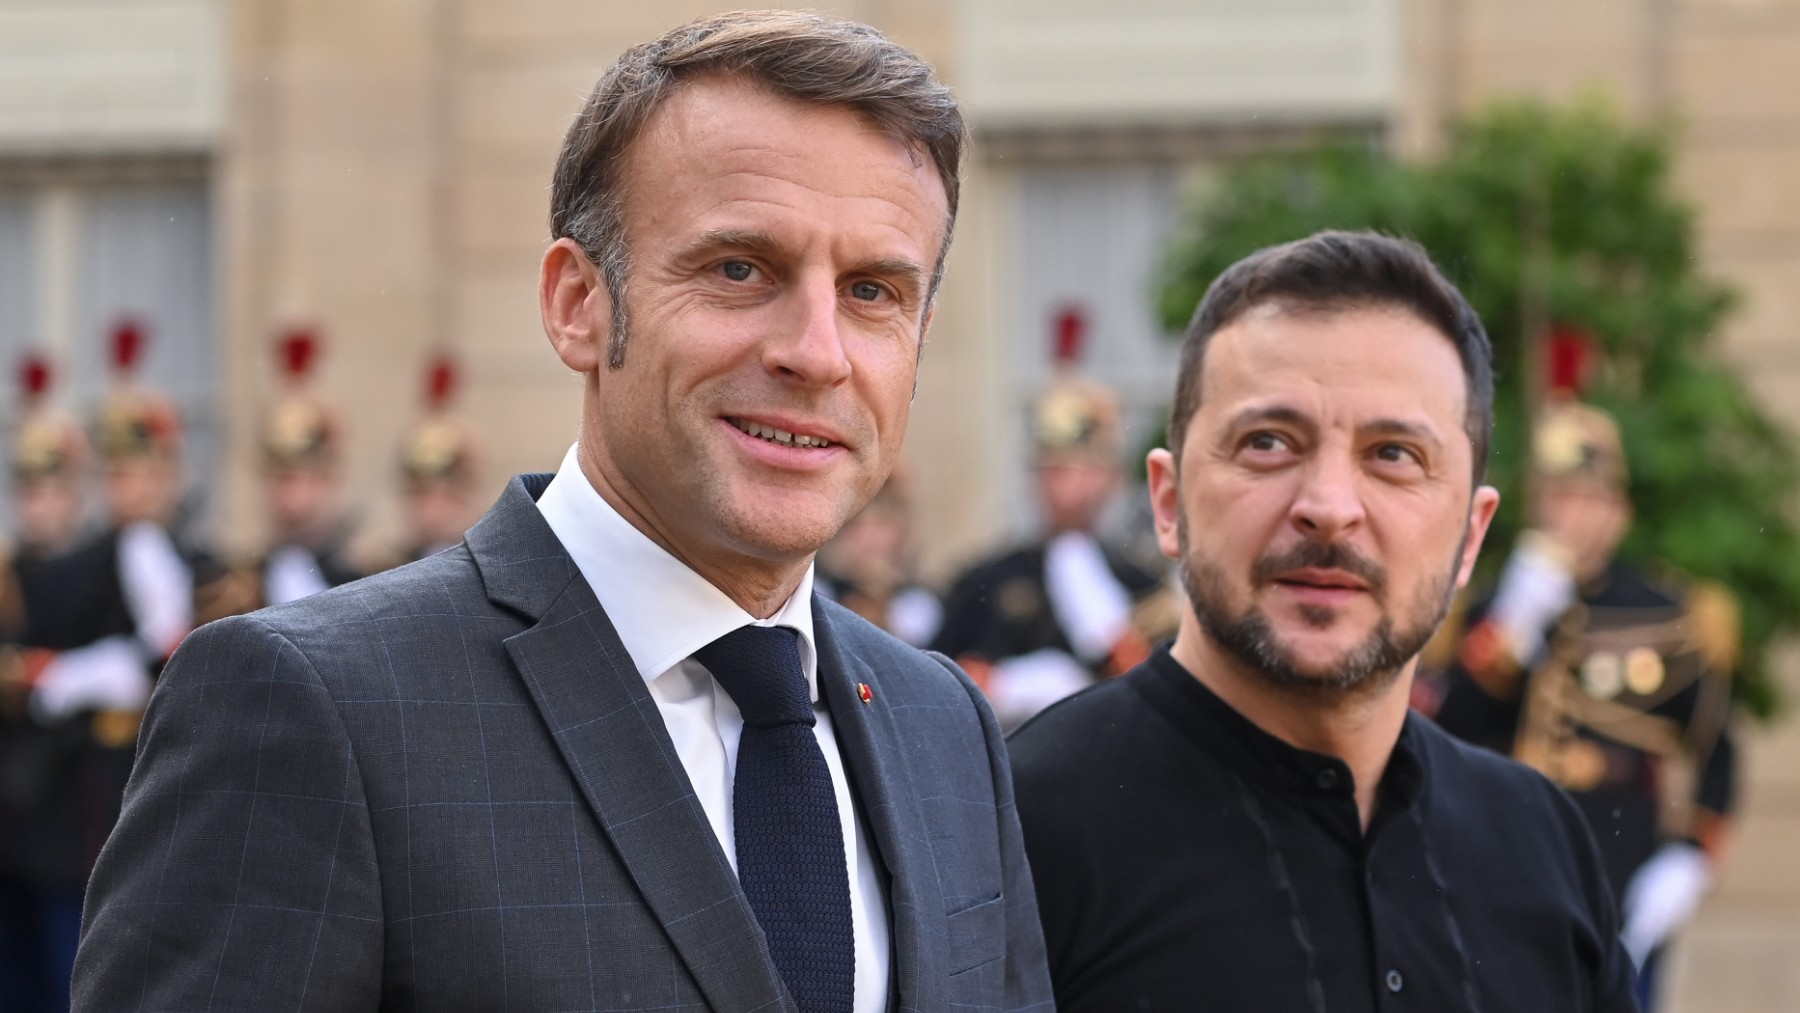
(1481, 514)
(574, 305)
(1165, 500)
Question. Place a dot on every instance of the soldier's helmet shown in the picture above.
(1576, 442)
(136, 422)
(438, 449)
(1075, 419)
(47, 443)
(300, 431)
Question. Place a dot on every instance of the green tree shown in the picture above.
(1563, 215)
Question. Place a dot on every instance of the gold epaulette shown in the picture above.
(237, 591)
(12, 600)
(13, 688)
(1714, 624)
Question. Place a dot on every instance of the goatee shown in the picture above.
(1367, 668)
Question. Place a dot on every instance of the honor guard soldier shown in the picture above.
(1613, 681)
(869, 567)
(41, 832)
(50, 461)
(439, 470)
(1043, 620)
(302, 450)
(73, 678)
(166, 579)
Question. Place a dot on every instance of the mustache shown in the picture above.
(1311, 555)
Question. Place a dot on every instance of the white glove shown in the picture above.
(159, 587)
(1535, 589)
(1091, 606)
(108, 674)
(292, 574)
(1661, 897)
(1020, 687)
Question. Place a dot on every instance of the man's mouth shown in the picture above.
(780, 437)
(1330, 580)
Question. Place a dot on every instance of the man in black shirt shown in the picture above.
(1251, 820)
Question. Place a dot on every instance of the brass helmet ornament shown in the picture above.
(1572, 441)
(1580, 443)
(1074, 418)
(438, 448)
(136, 422)
(47, 444)
(300, 431)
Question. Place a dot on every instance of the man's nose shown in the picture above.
(1329, 503)
(808, 346)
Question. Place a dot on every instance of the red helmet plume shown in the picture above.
(129, 340)
(299, 351)
(1569, 354)
(440, 381)
(35, 377)
(1071, 334)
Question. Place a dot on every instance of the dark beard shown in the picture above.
(1370, 667)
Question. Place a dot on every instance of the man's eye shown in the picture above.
(1396, 453)
(736, 270)
(1264, 442)
(867, 291)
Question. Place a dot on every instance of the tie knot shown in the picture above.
(760, 667)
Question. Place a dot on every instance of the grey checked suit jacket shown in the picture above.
(447, 788)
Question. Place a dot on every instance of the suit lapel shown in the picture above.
(875, 754)
(612, 736)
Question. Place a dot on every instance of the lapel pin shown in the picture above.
(863, 691)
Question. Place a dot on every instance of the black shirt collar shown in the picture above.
(1214, 726)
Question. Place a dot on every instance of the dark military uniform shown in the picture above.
(331, 562)
(1001, 608)
(1627, 708)
(61, 777)
(66, 776)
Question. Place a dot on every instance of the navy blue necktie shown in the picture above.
(790, 845)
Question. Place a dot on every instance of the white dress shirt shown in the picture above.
(663, 613)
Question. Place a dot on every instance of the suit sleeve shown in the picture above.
(1027, 977)
(242, 872)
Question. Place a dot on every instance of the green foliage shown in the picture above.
(1563, 214)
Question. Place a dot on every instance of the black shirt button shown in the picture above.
(1394, 982)
(1326, 780)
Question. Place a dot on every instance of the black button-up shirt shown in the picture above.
(1187, 860)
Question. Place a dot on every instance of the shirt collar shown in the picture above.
(662, 611)
(1219, 729)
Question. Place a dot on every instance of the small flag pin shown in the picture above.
(863, 691)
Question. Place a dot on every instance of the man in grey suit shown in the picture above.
(612, 753)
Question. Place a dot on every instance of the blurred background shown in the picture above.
(225, 174)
